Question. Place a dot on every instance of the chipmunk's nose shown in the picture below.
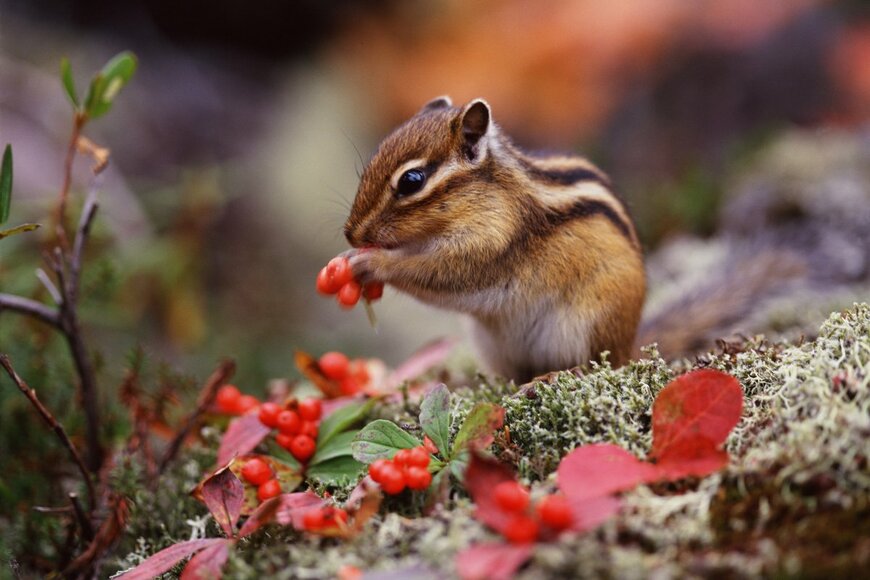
(354, 234)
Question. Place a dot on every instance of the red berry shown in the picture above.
(338, 515)
(334, 365)
(326, 283)
(339, 269)
(227, 399)
(288, 422)
(376, 469)
(246, 403)
(303, 447)
(521, 529)
(309, 428)
(314, 519)
(349, 386)
(359, 370)
(401, 457)
(418, 478)
(418, 457)
(429, 445)
(270, 489)
(310, 409)
(392, 479)
(555, 511)
(349, 294)
(511, 496)
(269, 414)
(256, 471)
(373, 291)
(284, 440)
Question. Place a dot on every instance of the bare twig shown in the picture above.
(79, 121)
(49, 285)
(82, 518)
(55, 426)
(206, 397)
(84, 228)
(30, 307)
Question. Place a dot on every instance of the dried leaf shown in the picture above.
(166, 558)
(492, 561)
(289, 476)
(242, 436)
(308, 366)
(223, 495)
(209, 563)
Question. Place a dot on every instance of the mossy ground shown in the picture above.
(794, 501)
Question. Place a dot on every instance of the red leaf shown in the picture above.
(223, 494)
(492, 561)
(591, 513)
(481, 477)
(242, 436)
(601, 469)
(208, 564)
(675, 468)
(166, 558)
(286, 509)
(421, 361)
(691, 419)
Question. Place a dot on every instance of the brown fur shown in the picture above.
(539, 252)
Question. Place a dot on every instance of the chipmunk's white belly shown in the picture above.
(536, 343)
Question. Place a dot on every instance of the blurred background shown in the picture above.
(236, 148)
(237, 145)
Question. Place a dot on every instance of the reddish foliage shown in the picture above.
(209, 563)
(242, 436)
(601, 469)
(165, 559)
(286, 509)
(494, 561)
(223, 495)
(691, 419)
(481, 478)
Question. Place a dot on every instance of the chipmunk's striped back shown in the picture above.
(538, 251)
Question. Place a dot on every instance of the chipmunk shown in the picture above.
(538, 252)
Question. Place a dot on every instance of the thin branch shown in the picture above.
(30, 307)
(79, 121)
(82, 518)
(84, 228)
(49, 285)
(54, 425)
(206, 397)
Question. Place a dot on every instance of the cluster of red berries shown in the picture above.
(258, 473)
(324, 518)
(297, 425)
(351, 375)
(231, 401)
(524, 527)
(337, 278)
(406, 469)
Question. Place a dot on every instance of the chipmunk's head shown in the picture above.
(426, 177)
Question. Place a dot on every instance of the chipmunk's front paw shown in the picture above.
(368, 264)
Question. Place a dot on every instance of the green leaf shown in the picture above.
(18, 230)
(380, 440)
(336, 471)
(478, 427)
(335, 447)
(68, 82)
(6, 184)
(435, 418)
(458, 466)
(106, 84)
(341, 419)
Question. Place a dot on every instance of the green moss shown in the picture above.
(792, 503)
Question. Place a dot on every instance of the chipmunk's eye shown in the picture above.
(410, 182)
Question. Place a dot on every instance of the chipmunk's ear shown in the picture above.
(442, 102)
(476, 122)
